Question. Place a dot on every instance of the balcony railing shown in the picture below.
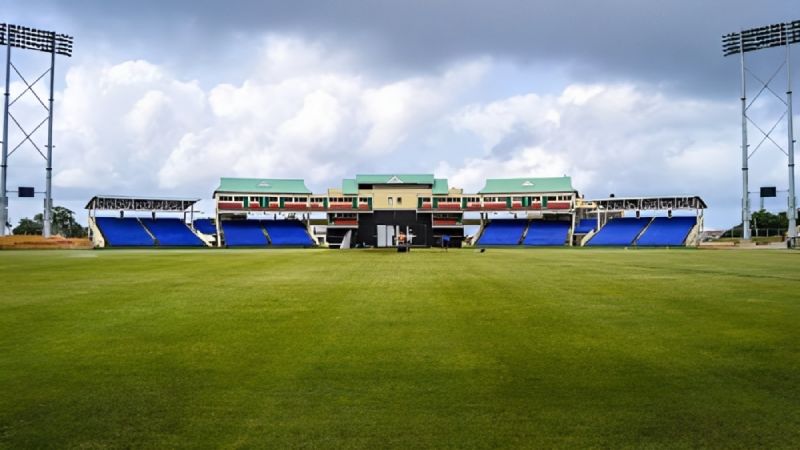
(365, 204)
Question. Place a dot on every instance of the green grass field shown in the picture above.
(369, 349)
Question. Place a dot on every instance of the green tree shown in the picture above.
(28, 227)
(64, 223)
(763, 220)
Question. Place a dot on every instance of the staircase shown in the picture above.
(644, 230)
(147, 230)
(98, 240)
(524, 233)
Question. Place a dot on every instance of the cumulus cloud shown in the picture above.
(120, 122)
(261, 89)
(617, 138)
(303, 112)
(669, 41)
(306, 111)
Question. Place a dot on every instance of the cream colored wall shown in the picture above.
(380, 196)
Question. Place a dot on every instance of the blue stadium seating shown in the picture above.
(503, 232)
(586, 226)
(547, 233)
(205, 226)
(665, 231)
(620, 231)
(124, 232)
(287, 233)
(243, 233)
(172, 233)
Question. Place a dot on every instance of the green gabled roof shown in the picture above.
(440, 186)
(349, 187)
(262, 186)
(395, 179)
(527, 185)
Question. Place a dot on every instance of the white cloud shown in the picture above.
(625, 139)
(618, 138)
(526, 161)
(306, 111)
(134, 127)
(119, 123)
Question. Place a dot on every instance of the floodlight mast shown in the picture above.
(48, 186)
(745, 182)
(776, 35)
(792, 207)
(4, 163)
(47, 42)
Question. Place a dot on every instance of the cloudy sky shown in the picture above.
(627, 97)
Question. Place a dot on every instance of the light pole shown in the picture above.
(44, 41)
(776, 35)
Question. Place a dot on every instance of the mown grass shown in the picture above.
(374, 349)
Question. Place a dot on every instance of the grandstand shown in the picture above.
(645, 231)
(372, 210)
(667, 231)
(171, 232)
(532, 233)
(244, 233)
(121, 231)
(262, 233)
(503, 232)
(620, 231)
(547, 233)
(289, 233)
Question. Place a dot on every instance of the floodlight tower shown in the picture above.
(43, 41)
(776, 35)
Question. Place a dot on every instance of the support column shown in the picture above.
(792, 207)
(572, 227)
(218, 224)
(48, 189)
(4, 161)
(745, 187)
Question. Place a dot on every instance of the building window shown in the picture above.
(399, 201)
(391, 201)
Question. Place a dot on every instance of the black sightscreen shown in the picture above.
(768, 192)
(25, 191)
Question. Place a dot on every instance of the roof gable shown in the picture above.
(263, 186)
(440, 186)
(395, 179)
(349, 187)
(527, 185)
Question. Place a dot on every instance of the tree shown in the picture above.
(765, 219)
(771, 224)
(28, 227)
(64, 223)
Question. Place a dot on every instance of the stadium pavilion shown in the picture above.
(374, 210)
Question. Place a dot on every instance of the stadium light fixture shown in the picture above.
(775, 35)
(27, 38)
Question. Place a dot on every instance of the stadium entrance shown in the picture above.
(381, 228)
(386, 234)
